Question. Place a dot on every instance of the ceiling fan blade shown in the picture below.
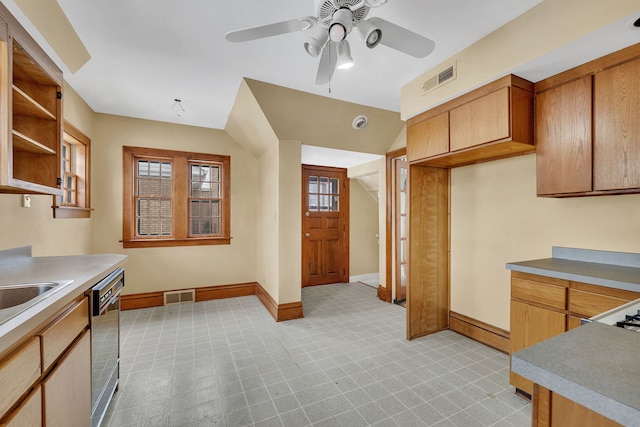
(269, 30)
(401, 39)
(327, 65)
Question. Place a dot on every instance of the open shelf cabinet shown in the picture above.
(30, 113)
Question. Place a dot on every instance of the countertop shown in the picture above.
(619, 270)
(595, 365)
(17, 266)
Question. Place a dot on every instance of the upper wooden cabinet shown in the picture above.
(435, 130)
(616, 149)
(588, 128)
(30, 113)
(564, 151)
(489, 123)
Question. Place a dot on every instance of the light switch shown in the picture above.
(26, 201)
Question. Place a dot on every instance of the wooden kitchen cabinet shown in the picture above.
(489, 123)
(17, 373)
(616, 150)
(428, 137)
(538, 312)
(28, 414)
(551, 409)
(53, 370)
(543, 307)
(588, 128)
(30, 114)
(563, 132)
(67, 390)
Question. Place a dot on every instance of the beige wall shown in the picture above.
(363, 228)
(268, 223)
(546, 27)
(36, 226)
(289, 216)
(497, 218)
(158, 269)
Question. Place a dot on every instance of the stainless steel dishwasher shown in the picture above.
(105, 343)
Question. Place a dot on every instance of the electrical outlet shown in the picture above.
(26, 201)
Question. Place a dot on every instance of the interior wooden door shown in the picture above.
(325, 231)
(401, 227)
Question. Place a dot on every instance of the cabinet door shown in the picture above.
(616, 150)
(567, 413)
(563, 138)
(531, 325)
(67, 391)
(483, 120)
(28, 414)
(428, 138)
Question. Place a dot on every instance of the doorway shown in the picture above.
(325, 225)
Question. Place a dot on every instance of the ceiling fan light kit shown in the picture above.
(341, 24)
(371, 34)
(334, 21)
(345, 61)
(313, 46)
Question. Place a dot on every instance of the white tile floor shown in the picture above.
(347, 363)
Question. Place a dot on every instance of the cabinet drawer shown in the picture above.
(17, 373)
(60, 334)
(540, 293)
(28, 414)
(588, 304)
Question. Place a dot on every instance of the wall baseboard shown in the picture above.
(281, 312)
(384, 294)
(479, 331)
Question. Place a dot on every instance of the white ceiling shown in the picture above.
(146, 53)
(321, 156)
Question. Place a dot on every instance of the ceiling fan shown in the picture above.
(333, 22)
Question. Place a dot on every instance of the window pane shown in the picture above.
(215, 225)
(205, 226)
(154, 169)
(324, 185)
(215, 208)
(313, 184)
(403, 226)
(153, 198)
(403, 202)
(143, 168)
(403, 179)
(335, 200)
(313, 202)
(335, 186)
(324, 203)
(215, 174)
(195, 208)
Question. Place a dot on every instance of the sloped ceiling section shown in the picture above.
(324, 122)
(247, 123)
(53, 24)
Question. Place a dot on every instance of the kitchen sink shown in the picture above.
(12, 295)
(16, 298)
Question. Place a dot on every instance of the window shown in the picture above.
(175, 198)
(74, 202)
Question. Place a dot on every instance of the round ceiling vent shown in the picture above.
(636, 23)
(360, 122)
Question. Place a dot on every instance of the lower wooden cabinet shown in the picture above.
(67, 393)
(47, 381)
(530, 325)
(554, 410)
(28, 414)
(543, 307)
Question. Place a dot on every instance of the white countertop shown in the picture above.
(82, 271)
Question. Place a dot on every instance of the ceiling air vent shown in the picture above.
(439, 79)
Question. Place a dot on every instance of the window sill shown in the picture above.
(71, 212)
(159, 243)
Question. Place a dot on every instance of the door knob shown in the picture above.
(306, 214)
(307, 235)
